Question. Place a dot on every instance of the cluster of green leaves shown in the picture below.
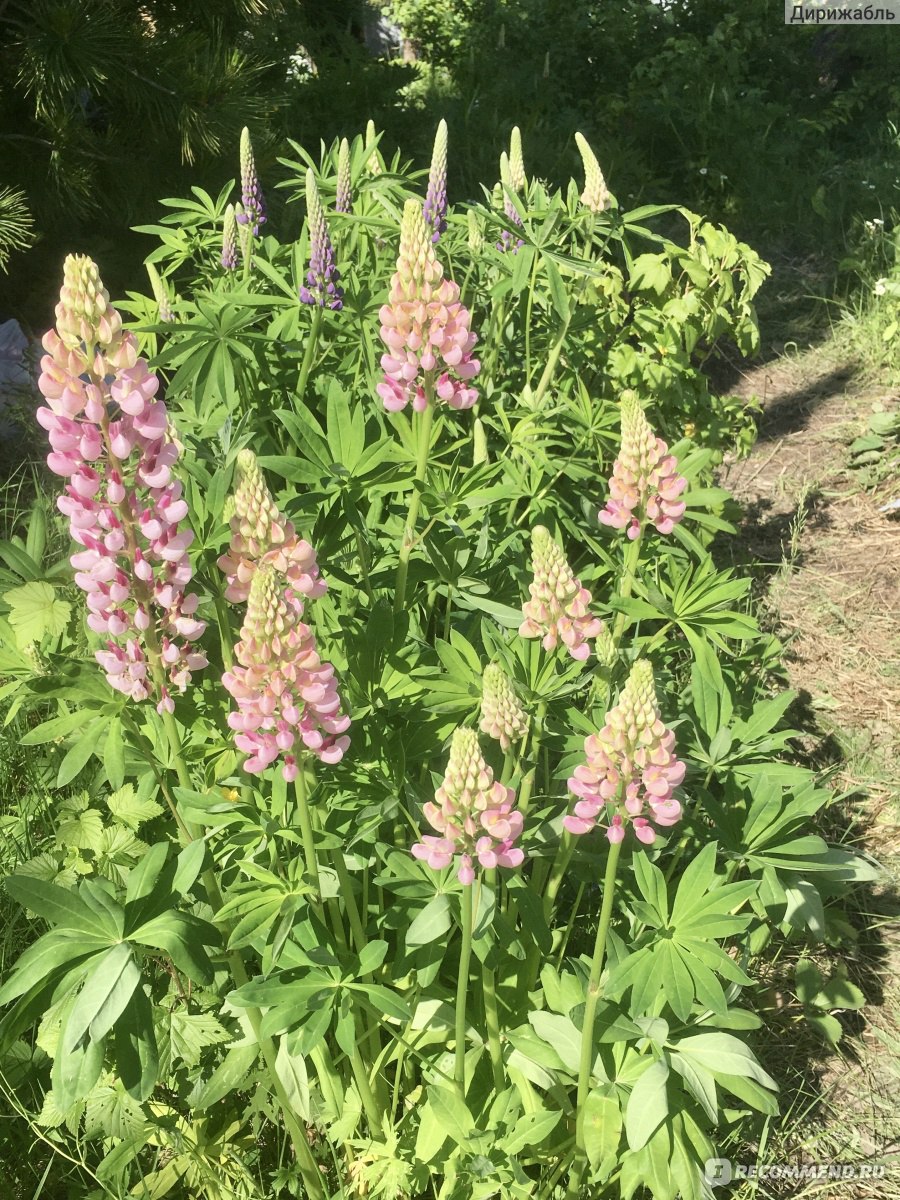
(184, 1003)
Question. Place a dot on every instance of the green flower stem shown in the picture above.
(447, 611)
(363, 556)
(590, 1011)
(552, 362)
(363, 1086)
(356, 925)
(462, 984)
(306, 830)
(309, 351)
(425, 420)
(632, 558)
(564, 853)
(529, 306)
(184, 833)
(226, 637)
(306, 1162)
(491, 1012)
(309, 1168)
(494, 340)
(528, 972)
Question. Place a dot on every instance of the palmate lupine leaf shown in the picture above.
(680, 957)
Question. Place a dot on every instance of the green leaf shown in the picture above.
(35, 611)
(560, 1033)
(78, 755)
(40, 962)
(60, 907)
(385, 1001)
(114, 754)
(531, 1130)
(450, 1109)
(291, 1071)
(136, 1052)
(142, 878)
(602, 1127)
(227, 1077)
(102, 999)
(650, 272)
(190, 1033)
(431, 923)
(723, 1054)
(110, 1112)
(648, 1105)
(190, 864)
(130, 809)
(75, 1073)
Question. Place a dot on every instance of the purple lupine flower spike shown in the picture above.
(252, 199)
(344, 200)
(435, 207)
(322, 277)
(508, 239)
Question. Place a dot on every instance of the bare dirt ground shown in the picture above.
(826, 562)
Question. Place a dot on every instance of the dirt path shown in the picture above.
(826, 562)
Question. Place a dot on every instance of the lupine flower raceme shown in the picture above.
(160, 295)
(473, 815)
(475, 232)
(645, 483)
(322, 287)
(425, 327)
(229, 240)
(595, 196)
(373, 164)
(508, 240)
(253, 210)
(435, 207)
(559, 608)
(502, 715)
(344, 199)
(244, 237)
(261, 536)
(112, 442)
(517, 179)
(631, 769)
(287, 698)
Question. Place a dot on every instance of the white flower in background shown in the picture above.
(880, 287)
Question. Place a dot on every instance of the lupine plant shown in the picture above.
(421, 814)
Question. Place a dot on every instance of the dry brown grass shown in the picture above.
(826, 563)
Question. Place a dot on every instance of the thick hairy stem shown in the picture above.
(415, 500)
(632, 558)
(491, 1012)
(590, 1011)
(309, 352)
(462, 985)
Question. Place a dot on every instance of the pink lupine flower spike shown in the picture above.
(473, 815)
(113, 444)
(286, 696)
(631, 769)
(645, 483)
(558, 610)
(424, 327)
(260, 535)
